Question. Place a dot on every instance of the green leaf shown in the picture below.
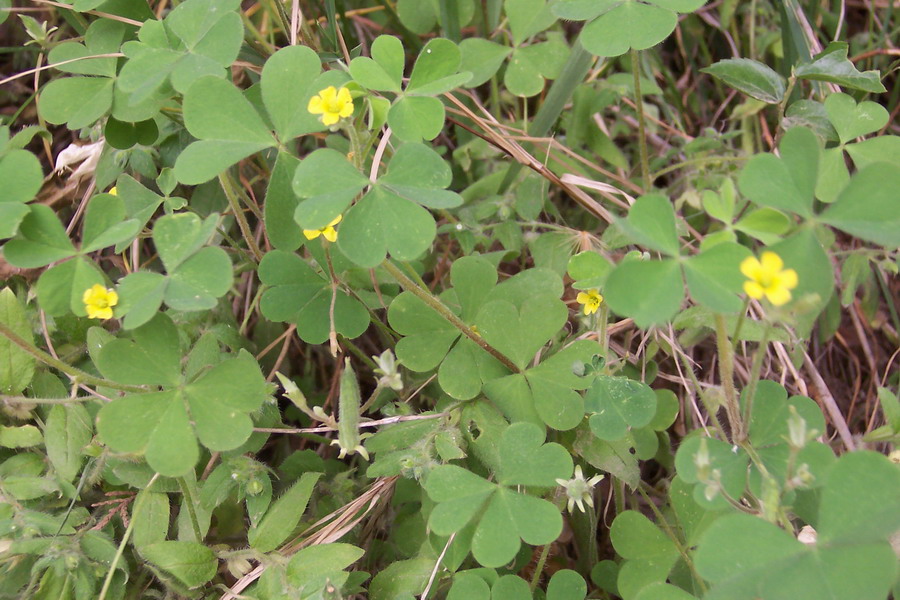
(469, 586)
(714, 278)
(22, 176)
(663, 591)
(852, 120)
(280, 204)
(804, 253)
(526, 460)
(383, 223)
(731, 465)
(67, 431)
(11, 215)
(401, 580)
(650, 292)
(649, 553)
(191, 563)
(104, 224)
(22, 436)
(832, 65)
(765, 224)
(151, 518)
(61, 289)
(300, 295)
(103, 36)
(140, 296)
(651, 222)
(218, 113)
(16, 365)
(520, 333)
(482, 58)
(787, 182)
(749, 77)
(414, 118)
(868, 207)
(286, 89)
(41, 240)
(627, 25)
(617, 404)
(566, 585)
(198, 281)
(76, 101)
(427, 335)
(283, 516)
(527, 18)
(435, 70)
(327, 197)
(508, 518)
(179, 236)
(384, 71)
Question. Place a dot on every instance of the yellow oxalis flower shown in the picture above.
(332, 104)
(591, 300)
(113, 191)
(328, 231)
(99, 301)
(768, 277)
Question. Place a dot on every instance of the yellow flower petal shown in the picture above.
(330, 118)
(753, 289)
(788, 278)
(771, 263)
(751, 268)
(330, 234)
(311, 234)
(336, 221)
(778, 295)
(315, 106)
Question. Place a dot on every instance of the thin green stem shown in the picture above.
(434, 303)
(77, 375)
(726, 374)
(27, 400)
(782, 108)
(121, 549)
(755, 369)
(642, 125)
(682, 550)
(192, 511)
(539, 567)
(246, 233)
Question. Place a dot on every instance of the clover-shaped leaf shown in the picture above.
(503, 516)
(42, 240)
(615, 26)
(618, 404)
(22, 176)
(390, 218)
(649, 554)
(650, 291)
(165, 425)
(746, 557)
(196, 275)
(786, 182)
(520, 332)
(301, 295)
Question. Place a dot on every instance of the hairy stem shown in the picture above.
(642, 125)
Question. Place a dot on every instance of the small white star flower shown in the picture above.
(579, 490)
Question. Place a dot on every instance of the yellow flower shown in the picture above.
(332, 104)
(768, 277)
(113, 191)
(328, 231)
(591, 300)
(99, 301)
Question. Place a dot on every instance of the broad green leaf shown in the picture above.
(589, 270)
(280, 204)
(649, 553)
(76, 101)
(526, 460)
(427, 335)
(103, 36)
(383, 223)
(714, 278)
(140, 296)
(884, 148)
(22, 436)
(804, 253)
(191, 563)
(852, 120)
(508, 518)
(285, 83)
(401, 580)
(199, 280)
(41, 240)
(11, 215)
(832, 65)
(511, 587)
(384, 71)
(553, 386)
(328, 196)
(617, 404)
(179, 236)
(650, 292)
(651, 222)
(152, 356)
(151, 518)
(482, 58)
(435, 70)
(16, 365)
(283, 516)
(414, 118)
(521, 333)
(749, 77)
(869, 207)
(60, 289)
(626, 25)
(67, 431)
(787, 182)
(765, 224)
(105, 224)
(22, 176)
(300, 295)
(663, 591)
(566, 585)
(469, 586)
(527, 18)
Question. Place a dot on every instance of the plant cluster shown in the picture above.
(475, 300)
